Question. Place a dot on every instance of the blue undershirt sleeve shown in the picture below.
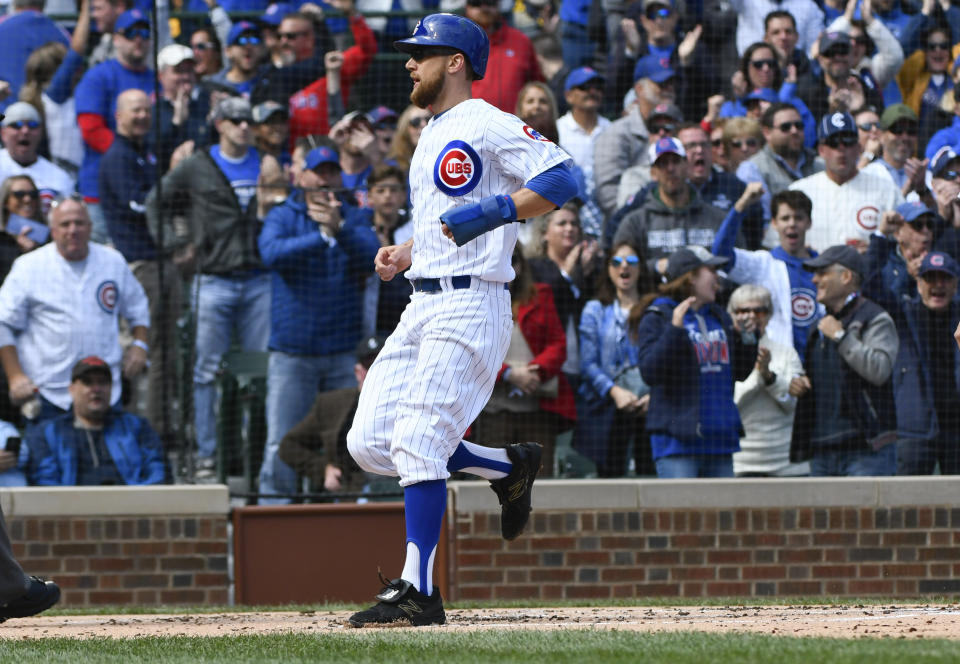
(556, 184)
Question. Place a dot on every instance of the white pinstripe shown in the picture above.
(437, 370)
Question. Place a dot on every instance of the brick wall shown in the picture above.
(583, 553)
(124, 545)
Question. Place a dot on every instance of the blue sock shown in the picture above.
(490, 463)
(423, 505)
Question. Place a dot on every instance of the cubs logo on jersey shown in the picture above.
(803, 302)
(534, 134)
(458, 169)
(107, 296)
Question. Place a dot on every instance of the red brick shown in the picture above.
(474, 559)
(913, 537)
(146, 580)
(208, 579)
(799, 540)
(694, 557)
(758, 520)
(835, 515)
(940, 538)
(834, 539)
(741, 520)
(517, 576)
(110, 581)
(835, 555)
(587, 522)
(560, 574)
(481, 576)
(692, 590)
(145, 563)
(74, 549)
(480, 544)
(869, 571)
(181, 547)
(693, 573)
(553, 543)
(611, 574)
(657, 557)
(774, 521)
(147, 548)
(907, 587)
(551, 592)
(728, 573)
(866, 518)
(868, 539)
(692, 541)
(709, 521)
(730, 557)
(63, 529)
(870, 587)
(110, 597)
(522, 544)
(622, 592)
(588, 557)
(80, 529)
(182, 596)
(588, 592)
(516, 559)
(680, 521)
(764, 572)
(850, 521)
(210, 547)
(798, 588)
(145, 597)
(754, 540)
(721, 589)
(633, 543)
(726, 541)
(925, 517)
(476, 592)
(664, 521)
(939, 570)
(940, 553)
(835, 587)
(74, 565)
(45, 565)
(76, 581)
(800, 555)
(658, 589)
(514, 591)
(182, 564)
(833, 571)
(216, 596)
(649, 520)
(905, 569)
(805, 518)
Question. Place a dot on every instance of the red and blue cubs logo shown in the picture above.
(107, 296)
(457, 170)
(534, 134)
(803, 303)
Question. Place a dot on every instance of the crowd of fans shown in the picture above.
(758, 276)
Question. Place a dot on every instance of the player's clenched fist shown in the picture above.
(393, 259)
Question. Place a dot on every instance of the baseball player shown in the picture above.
(475, 171)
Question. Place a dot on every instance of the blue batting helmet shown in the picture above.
(451, 31)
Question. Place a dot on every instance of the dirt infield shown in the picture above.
(893, 621)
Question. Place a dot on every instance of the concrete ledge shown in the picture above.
(732, 493)
(113, 501)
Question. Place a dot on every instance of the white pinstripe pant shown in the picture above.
(433, 377)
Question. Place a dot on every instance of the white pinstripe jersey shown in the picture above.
(467, 153)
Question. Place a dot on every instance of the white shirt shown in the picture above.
(66, 142)
(50, 179)
(465, 154)
(767, 416)
(56, 317)
(751, 13)
(850, 211)
(580, 143)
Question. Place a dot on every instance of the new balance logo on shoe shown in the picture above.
(410, 608)
(517, 490)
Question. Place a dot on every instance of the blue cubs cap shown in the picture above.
(579, 76)
(941, 159)
(240, 28)
(911, 211)
(762, 94)
(665, 145)
(652, 67)
(129, 19)
(450, 31)
(937, 261)
(275, 13)
(382, 114)
(836, 123)
(321, 155)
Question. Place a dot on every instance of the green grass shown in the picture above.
(501, 647)
(647, 601)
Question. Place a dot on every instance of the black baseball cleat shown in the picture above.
(401, 605)
(40, 597)
(514, 490)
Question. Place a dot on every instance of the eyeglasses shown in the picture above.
(655, 12)
(482, 3)
(20, 124)
(133, 33)
(837, 52)
(785, 127)
(922, 224)
(63, 198)
(751, 310)
(31, 194)
(869, 126)
(204, 46)
(938, 46)
(763, 64)
(749, 143)
(247, 40)
(844, 140)
(620, 261)
(693, 145)
(292, 36)
(665, 127)
(717, 143)
(909, 129)
(239, 121)
(589, 85)
(417, 121)
(949, 175)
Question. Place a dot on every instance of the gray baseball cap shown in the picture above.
(233, 108)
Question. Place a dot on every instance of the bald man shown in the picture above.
(127, 172)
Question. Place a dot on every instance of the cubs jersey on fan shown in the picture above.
(467, 153)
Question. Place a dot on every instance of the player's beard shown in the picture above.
(425, 94)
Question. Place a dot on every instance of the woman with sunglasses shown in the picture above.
(690, 355)
(925, 79)
(760, 75)
(611, 402)
(207, 51)
(532, 399)
(742, 138)
(21, 197)
(405, 139)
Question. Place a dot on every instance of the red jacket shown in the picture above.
(511, 65)
(308, 107)
(541, 327)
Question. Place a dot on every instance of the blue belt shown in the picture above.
(430, 285)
